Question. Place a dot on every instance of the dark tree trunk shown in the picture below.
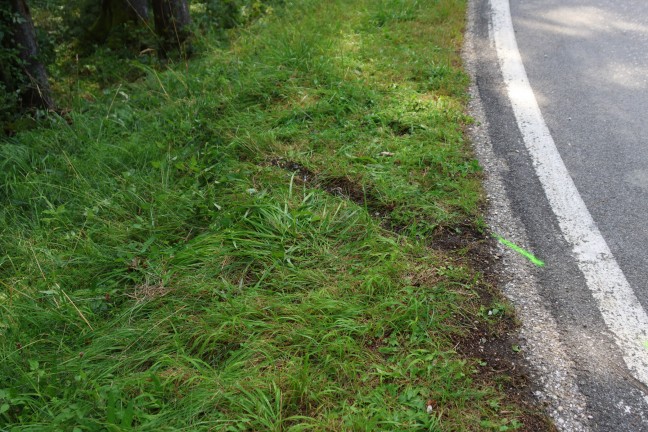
(140, 8)
(172, 21)
(116, 12)
(37, 93)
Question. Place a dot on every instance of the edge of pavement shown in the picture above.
(551, 370)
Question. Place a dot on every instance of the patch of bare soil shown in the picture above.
(339, 186)
(495, 351)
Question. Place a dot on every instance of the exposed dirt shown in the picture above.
(495, 345)
(400, 128)
(496, 348)
(338, 186)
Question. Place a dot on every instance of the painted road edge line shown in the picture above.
(618, 304)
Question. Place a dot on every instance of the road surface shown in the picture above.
(572, 159)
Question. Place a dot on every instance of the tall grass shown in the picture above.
(160, 272)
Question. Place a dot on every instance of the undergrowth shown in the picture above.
(161, 270)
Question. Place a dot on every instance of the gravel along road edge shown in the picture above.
(550, 361)
(551, 368)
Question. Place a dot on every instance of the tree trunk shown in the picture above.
(116, 12)
(37, 93)
(140, 8)
(172, 21)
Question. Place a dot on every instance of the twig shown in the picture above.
(37, 263)
(77, 309)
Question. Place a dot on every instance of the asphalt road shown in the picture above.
(587, 64)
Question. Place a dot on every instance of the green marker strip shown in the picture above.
(525, 253)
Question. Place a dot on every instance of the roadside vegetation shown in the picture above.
(255, 239)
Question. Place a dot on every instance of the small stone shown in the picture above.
(429, 406)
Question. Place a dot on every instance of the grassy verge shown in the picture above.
(249, 241)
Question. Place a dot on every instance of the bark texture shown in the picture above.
(115, 13)
(172, 21)
(139, 7)
(37, 93)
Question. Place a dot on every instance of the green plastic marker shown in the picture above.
(525, 253)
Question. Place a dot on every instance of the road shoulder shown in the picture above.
(550, 367)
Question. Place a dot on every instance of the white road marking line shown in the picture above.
(621, 310)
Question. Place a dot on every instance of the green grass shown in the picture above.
(160, 270)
